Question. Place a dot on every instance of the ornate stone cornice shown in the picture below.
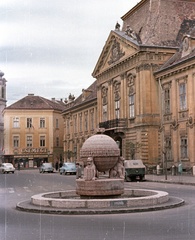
(174, 72)
(146, 66)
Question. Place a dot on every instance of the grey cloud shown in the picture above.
(53, 56)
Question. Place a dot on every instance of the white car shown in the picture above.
(46, 167)
(7, 168)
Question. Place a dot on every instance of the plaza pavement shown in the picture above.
(183, 178)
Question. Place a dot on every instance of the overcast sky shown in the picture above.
(50, 48)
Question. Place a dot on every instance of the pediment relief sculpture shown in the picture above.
(116, 52)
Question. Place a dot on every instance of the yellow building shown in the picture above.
(177, 90)
(33, 131)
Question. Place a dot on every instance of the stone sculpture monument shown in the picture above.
(101, 154)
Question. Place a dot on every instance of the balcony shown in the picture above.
(114, 124)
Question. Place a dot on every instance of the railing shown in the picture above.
(115, 123)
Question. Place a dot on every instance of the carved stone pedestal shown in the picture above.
(100, 187)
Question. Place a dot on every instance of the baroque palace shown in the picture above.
(144, 91)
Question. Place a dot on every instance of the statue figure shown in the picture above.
(129, 31)
(118, 171)
(90, 171)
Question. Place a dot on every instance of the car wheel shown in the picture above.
(13, 172)
(60, 173)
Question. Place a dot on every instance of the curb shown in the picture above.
(170, 182)
(26, 206)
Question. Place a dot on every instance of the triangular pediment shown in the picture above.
(119, 46)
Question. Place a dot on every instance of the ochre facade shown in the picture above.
(80, 122)
(33, 132)
(145, 84)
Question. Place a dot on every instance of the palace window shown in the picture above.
(92, 120)
(131, 89)
(57, 142)
(132, 105)
(168, 148)
(42, 122)
(104, 113)
(117, 109)
(167, 108)
(57, 123)
(80, 123)
(68, 125)
(116, 86)
(75, 124)
(184, 147)
(182, 96)
(86, 121)
(29, 123)
(42, 141)
(15, 141)
(29, 141)
(16, 123)
(104, 103)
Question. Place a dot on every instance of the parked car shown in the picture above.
(68, 167)
(7, 168)
(134, 170)
(46, 167)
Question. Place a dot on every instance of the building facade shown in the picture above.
(177, 87)
(33, 131)
(134, 89)
(2, 106)
(80, 121)
(145, 86)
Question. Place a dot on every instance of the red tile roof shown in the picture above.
(37, 103)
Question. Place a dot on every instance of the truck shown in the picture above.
(134, 170)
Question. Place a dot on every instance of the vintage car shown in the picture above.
(69, 168)
(7, 168)
(46, 167)
(134, 170)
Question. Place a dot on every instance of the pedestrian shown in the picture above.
(56, 166)
(61, 164)
(78, 171)
(18, 166)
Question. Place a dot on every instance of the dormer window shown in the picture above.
(186, 46)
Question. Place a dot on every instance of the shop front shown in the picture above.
(31, 157)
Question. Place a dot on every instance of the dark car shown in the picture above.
(68, 167)
(134, 170)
